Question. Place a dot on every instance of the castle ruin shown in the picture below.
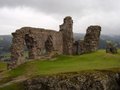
(90, 42)
(42, 42)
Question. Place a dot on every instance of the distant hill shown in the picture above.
(5, 41)
(103, 39)
(63, 71)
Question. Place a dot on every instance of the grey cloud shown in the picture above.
(65, 6)
(103, 12)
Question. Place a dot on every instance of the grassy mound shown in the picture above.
(95, 61)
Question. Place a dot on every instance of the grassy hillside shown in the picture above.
(95, 61)
(2, 66)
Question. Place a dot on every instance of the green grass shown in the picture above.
(2, 66)
(98, 60)
(62, 64)
(15, 86)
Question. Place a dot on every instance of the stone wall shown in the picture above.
(67, 31)
(91, 39)
(90, 42)
(38, 41)
(43, 43)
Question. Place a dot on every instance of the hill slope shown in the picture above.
(97, 60)
(62, 64)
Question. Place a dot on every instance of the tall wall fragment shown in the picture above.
(67, 31)
(91, 39)
(90, 42)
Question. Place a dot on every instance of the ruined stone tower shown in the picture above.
(67, 31)
(90, 42)
(91, 39)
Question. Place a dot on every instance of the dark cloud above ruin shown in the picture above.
(84, 12)
(65, 6)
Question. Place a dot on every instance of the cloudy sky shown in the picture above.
(15, 14)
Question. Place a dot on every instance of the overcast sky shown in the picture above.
(15, 14)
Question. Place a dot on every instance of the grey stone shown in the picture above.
(45, 43)
(98, 80)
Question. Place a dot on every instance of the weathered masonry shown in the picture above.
(90, 42)
(45, 43)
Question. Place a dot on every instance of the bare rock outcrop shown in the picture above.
(98, 80)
